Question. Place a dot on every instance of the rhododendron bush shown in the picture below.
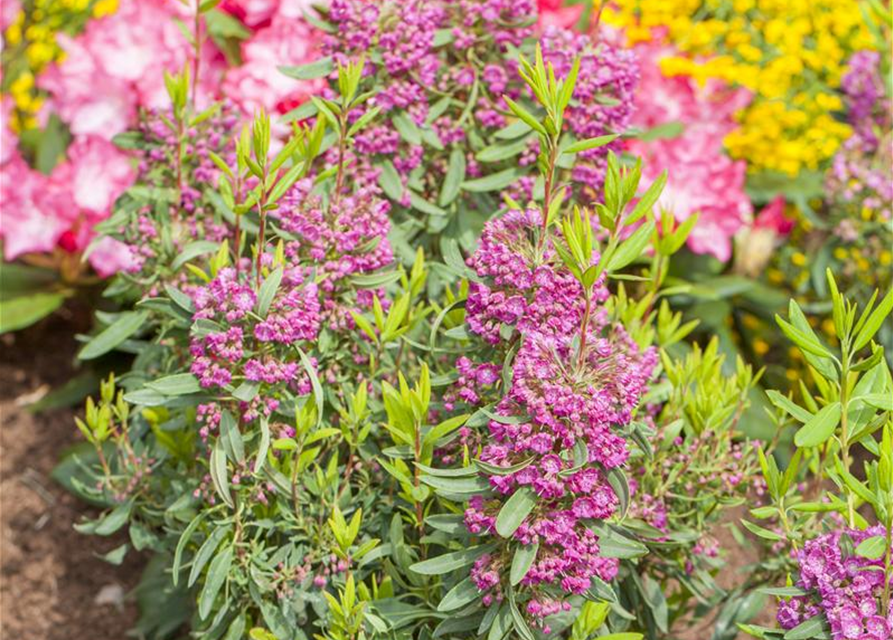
(417, 305)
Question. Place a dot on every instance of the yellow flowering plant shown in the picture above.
(30, 44)
(790, 53)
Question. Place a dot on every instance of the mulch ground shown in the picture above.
(52, 585)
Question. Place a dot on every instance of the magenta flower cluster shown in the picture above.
(239, 343)
(465, 64)
(244, 348)
(558, 425)
(843, 586)
(336, 240)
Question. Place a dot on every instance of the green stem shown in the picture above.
(547, 191)
(844, 429)
(262, 214)
(584, 328)
(888, 564)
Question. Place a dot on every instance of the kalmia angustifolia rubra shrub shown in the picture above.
(327, 431)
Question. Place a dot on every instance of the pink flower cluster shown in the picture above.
(158, 234)
(844, 587)
(414, 63)
(702, 179)
(555, 431)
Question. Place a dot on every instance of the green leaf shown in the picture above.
(813, 627)
(759, 531)
(314, 383)
(114, 520)
(218, 573)
(389, 181)
(874, 322)
(614, 545)
(459, 596)
(591, 143)
(819, 427)
(126, 325)
(631, 248)
(185, 538)
(872, 548)
(193, 250)
(513, 512)
(499, 152)
(178, 384)
(520, 624)
(522, 561)
(418, 203)
(649, 198)
(788, 405)
(452, 182)
(284, 183)
(882, 401)
(264, 446)
(620, 485)
(247, 391)
(310, 71)
(204, 553)
(802, 335)
(116, 556)
(450, 561)
(525, 115)
(267, 291)
(784, 592)
(492, 182)
(219, 473)
(23, 311)
(407, 129)
(231, 437)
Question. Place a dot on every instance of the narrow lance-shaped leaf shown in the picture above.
(631, 248)
(513, 512)
(819, 428)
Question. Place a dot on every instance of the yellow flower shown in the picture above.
(790, 53)
(104, 8)
(760, 347)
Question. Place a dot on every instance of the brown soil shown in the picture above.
(52, 585)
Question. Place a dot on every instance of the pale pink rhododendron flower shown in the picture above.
(31, 206)
(42, 213)
(702, 179)
(259, 83)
